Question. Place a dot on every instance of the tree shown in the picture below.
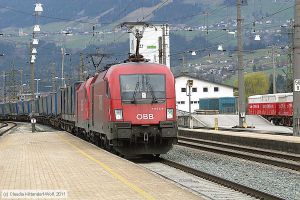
(255, 83)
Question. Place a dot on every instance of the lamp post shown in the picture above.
(63, 53)
(274, 55)
(241, 82)
(62, 67)
(4, 75)
(38, 9)
(37, 86)
(69, 75)
(183, 70)
(296, 69)
(274, 69)
(22, 90)
(4, 83)
(54, 87)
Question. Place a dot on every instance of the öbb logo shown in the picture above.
(144, 116)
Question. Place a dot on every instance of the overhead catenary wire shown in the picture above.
(219, 36)
(51, 17)
(194, 15)
(162, 4)
(212, 39)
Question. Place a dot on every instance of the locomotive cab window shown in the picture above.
(143, 88)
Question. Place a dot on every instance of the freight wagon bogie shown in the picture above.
(279, 120)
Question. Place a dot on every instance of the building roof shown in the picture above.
(194, 77)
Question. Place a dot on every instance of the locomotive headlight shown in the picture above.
(170, 113)
(119, 114)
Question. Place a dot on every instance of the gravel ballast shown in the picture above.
(281, 182)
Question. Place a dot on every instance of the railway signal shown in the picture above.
(189, 84)
(33, 122)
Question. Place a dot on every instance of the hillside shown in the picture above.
(196, 25)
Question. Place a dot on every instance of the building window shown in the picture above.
(194, 89)
(182, 102)
(205, 89)
(216, 89)
(183, 89)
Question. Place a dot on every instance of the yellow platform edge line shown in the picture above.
(112, 172)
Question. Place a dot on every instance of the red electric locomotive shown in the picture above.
(131, 109)
(83, 103)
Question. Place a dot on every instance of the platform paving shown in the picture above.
(228, 121)
(245, 134)
(60, 161)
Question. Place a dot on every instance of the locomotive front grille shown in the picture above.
(166, 124)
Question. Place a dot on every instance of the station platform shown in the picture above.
(259, 124)
(285, 143)
(60, 161)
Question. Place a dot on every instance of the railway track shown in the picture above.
(3, 125)
(224, 182)
(276, 158)
(7, 126)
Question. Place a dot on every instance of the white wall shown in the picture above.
(149, 46)
(224, 91)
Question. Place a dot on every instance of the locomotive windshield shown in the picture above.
(143, 88)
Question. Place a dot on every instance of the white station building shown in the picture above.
(201, 89)
(155, 44)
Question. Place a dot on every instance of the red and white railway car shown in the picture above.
(277, 108)
(285, 104)
(131, 108)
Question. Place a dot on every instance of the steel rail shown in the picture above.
(279, 159)
(224, 182)
(5, 125)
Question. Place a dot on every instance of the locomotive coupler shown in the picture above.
(146, 137)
